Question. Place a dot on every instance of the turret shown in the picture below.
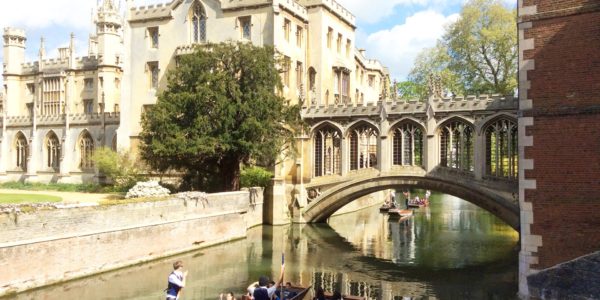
(108, 32)
(14, 50)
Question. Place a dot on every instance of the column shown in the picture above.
(345, 150)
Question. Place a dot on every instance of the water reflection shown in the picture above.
(451, 249)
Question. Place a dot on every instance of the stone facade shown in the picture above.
(56, 111)
(558, 132)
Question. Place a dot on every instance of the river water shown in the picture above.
(449, 250)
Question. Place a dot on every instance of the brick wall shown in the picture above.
(560, 124)
(48, 246)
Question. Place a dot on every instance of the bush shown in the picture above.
(122, 168)
(255, 177)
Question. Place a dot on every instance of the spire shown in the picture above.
(72, 43)
(42, 52)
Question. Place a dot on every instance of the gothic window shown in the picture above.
(299, 36)
(299, 75)
(327, 152)
(86, 150)
(287, 27)
(88, 106)
(153, 72)
(502, 154)
(408, 145)
(287, 65)
(198, 24)
(52, 151)
(21, 151)
(363, 147)
(246, 27)
(153, 34)
(456, 145)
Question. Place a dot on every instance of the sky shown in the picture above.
(392, 31)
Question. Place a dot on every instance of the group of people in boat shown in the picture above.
(263, 289)
(408, 201)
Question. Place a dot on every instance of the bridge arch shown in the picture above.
(336, 197)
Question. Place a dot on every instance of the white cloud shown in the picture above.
(34, 14)
(397, 47)
(372, 11)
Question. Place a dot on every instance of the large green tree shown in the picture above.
(477, 54)
(222, 108)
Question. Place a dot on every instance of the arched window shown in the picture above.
(408, 145)
(86, 150)
(328, 154)
(363, 147)
(52, 148)
(501, 144)
(312, 88)
(198, 19)
(456, 145)
(21, 151)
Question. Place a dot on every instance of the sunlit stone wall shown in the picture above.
(46, 246)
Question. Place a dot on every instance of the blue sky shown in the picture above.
(393, 31)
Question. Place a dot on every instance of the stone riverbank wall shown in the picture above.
(42, 246)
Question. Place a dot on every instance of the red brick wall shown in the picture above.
(565, 92)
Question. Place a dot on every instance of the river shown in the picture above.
(449, 250)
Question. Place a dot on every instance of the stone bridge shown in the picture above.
(466, 147)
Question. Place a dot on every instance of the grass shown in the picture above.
(60, 187)
(27, 198)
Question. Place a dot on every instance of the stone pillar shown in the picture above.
(383, 148)
(275, 208)
(431, 152)
(479, 154)
(345, 149)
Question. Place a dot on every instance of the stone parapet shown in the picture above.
(576, 279)
(59, 238)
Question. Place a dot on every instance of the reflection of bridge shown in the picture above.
(463, 147)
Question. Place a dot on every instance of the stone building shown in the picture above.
(57, 111)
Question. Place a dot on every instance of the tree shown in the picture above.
(220, 109)
(477, 54)
(407, 90)
(434, 61)
(482, 45)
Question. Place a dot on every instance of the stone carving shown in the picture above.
(434, 84)
(147, 189)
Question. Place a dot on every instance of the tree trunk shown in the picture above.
(230, 168)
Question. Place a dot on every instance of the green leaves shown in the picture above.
(220, 109)
(477, 54)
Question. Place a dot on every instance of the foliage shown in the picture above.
(477, 54)
(433, 61)
(221, 109)
(122, 168)
(255, 177)
(27, 198)
(407, 90)
(482, 46)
